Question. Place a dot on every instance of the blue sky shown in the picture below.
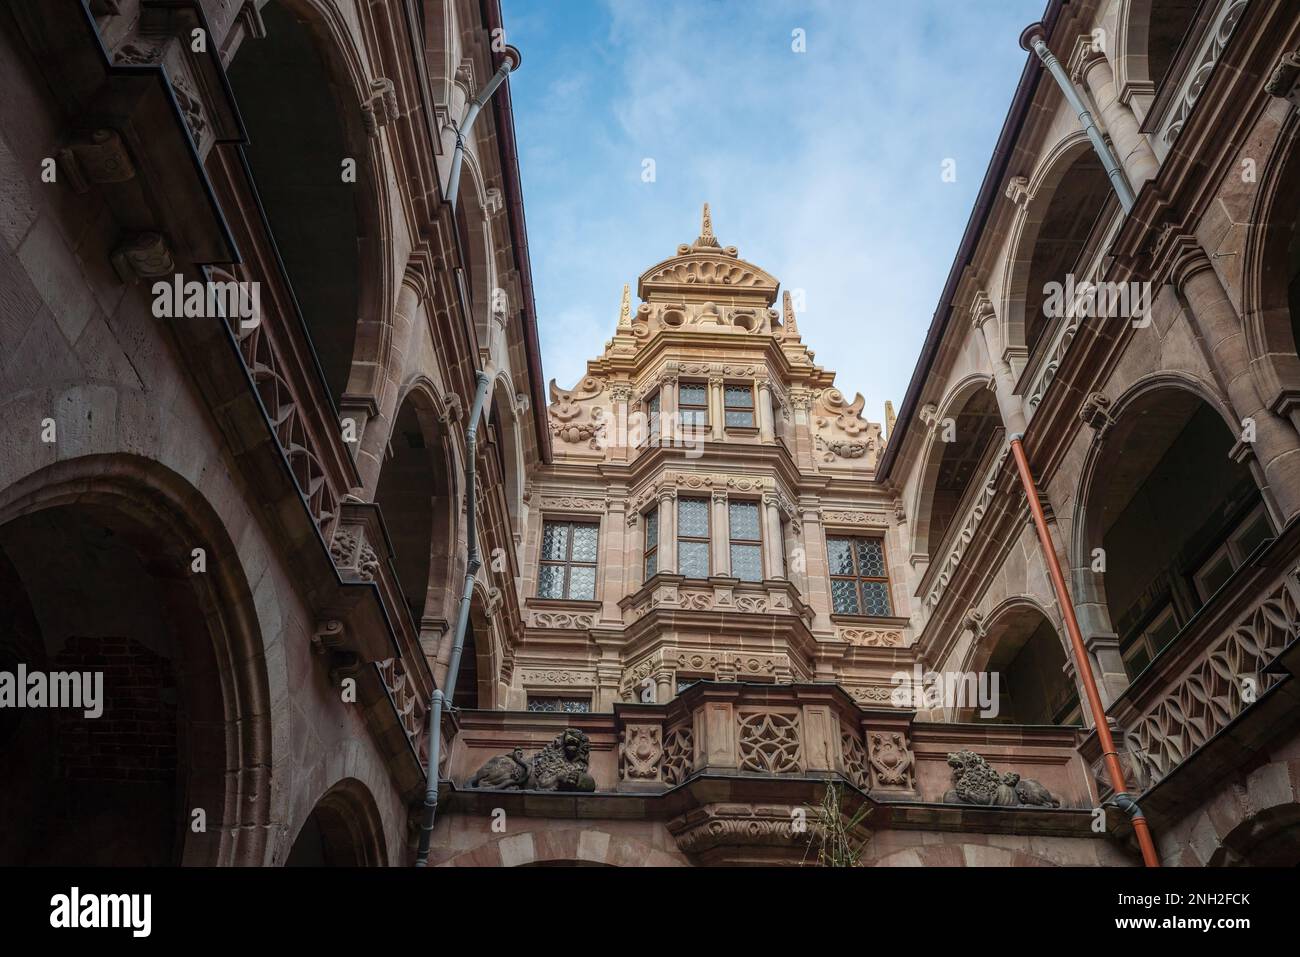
(824, 167)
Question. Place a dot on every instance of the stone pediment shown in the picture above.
(705, 269)
(715, 274)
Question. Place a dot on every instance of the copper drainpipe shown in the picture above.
(1108, 753)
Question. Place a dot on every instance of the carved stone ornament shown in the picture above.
(639, 752)
(143, 256)
(560, 766)
(974, 782)
(891, 761)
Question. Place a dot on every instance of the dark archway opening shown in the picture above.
(86, 591)
(414, 497)
(1177, 517)
(1032, 684)
(972, 432)
(291, 107)
(1168, 26)
(1071, 219)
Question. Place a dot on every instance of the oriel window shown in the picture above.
(746, 541)
(693, 537)
(859, 581)
(568, 564)
(738, 406)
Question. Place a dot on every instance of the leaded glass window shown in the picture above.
(570, 551)
(693, 406)
(859, 578)
(746, 541)
(738, 406)
(651, 542)
(652, 415)
(693, 537)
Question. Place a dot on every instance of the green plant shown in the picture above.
(831, 834)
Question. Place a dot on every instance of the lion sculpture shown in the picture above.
(974, 782)
(560, 766)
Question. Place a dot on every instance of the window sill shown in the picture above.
(589, 604)
(891, 620)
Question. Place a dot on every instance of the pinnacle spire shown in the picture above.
(625, 309)
(706, 230)
(787, 315)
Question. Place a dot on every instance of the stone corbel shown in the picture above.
(1284, 83)
(1095, 413)
(143, 256)
(329, 640)
(99, 158)
(381, 108)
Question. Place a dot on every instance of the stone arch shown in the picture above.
(474, 232)
(331, 235)
(1147, 35)
(344, 829)
(1253, 821)
(504, 416)
(142, 521)
(1066, 193)
(1126, 489)
(589, 846)
(1023, 643)
(476, 682)
(1271, 274)
(972, 405)
(416, 492)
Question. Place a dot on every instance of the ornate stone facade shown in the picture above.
(711, 583)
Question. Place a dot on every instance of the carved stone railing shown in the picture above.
(1046, 360)
(720, 595)
(798, 732)
(940, 574)
(1176, 105)
(1207, 677)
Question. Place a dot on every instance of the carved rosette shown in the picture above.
(769, 743)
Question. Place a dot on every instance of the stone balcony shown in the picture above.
(1205, 704)
(725, 772)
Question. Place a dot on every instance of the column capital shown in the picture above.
(1177, 256)
(981, 310)
(1084, 55)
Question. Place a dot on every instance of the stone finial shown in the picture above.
(706, 237)
(890, 418)
(625, 308)
(787, 314)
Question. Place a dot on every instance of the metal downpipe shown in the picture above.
(1121, 798)
(508, 65)
(1032, 40)
(472, 565)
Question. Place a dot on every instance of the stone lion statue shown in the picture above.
(974, 782)
(560, 766)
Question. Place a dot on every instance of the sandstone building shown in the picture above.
(704, 568)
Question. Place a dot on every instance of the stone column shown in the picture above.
(620, 443)
(818, 571)
(616, 573)
(720, 535)
(772, 540)
(1090, 67)
(715, 408)
(664, 690)
(668, 530)
(1010, 405)
(668, 425)
(1180, 259)
(766, 421)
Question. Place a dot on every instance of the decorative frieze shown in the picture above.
(872, 637)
